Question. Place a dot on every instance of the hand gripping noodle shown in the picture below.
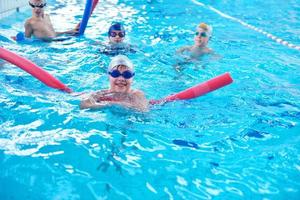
(33, 69)
(198, 90)
(20, 37)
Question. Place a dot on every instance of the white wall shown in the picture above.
(8, 7)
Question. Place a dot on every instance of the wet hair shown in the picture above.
(206, 28)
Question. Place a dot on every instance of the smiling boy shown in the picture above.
(202, 36)
(121, 73)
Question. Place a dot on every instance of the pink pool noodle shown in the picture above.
(198, 90)
(33, 69)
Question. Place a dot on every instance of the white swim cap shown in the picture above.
(120, 60)
(208, 29)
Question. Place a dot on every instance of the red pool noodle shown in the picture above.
(95, 2)
(198, 90)
(33, 69)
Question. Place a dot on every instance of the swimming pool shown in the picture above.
(239, 142)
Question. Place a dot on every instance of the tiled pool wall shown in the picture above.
(7, 7)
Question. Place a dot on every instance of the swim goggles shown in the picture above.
(37, 6)
(202, 34)
(114, 34)
(126, 74)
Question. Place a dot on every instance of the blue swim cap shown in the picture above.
(116, 27)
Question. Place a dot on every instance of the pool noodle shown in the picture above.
(95, 2)
(89, 8)
(33, 69)
(198, 90)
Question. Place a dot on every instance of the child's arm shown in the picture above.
(182, 49)
(137, 102)
(90, 102)
(28, 29)
(69, 32)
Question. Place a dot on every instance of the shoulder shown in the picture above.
(209, 50)
(185, 48)
(29, 21)
(137, 94)
(46, 17)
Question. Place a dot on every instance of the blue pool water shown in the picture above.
(239, 142)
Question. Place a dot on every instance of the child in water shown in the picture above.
(120, 73)
(39, 24)
(116, 44)
(201, 39)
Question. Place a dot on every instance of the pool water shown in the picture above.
(238, 142)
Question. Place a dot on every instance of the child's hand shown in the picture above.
(73, 32)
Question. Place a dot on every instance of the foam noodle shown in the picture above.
(33, 69)
(198, 90)
(89, 8)
(95, 2)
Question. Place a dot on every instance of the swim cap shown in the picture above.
(206, 28)
(116, 27)
(120, 60)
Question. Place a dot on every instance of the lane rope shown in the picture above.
(268, 35)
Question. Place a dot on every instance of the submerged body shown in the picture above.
(195, 52)
(133, 99)
(116, 44)
(113, 49)
(201, 39)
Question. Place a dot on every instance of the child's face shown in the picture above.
(120, 83)
(201, 37)
(116, 36)
(37, 6)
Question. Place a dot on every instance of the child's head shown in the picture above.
(203, 34)
(116, 33)
(121, 73)
(37, 7)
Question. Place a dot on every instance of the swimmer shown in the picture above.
(121, 73)
(116, 44)
(39, 25)
(202, 35)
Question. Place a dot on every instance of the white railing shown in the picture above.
(7, 7)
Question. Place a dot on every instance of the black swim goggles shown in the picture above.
(202, 34)
(126, 74)
(37, 6)
(114, 34)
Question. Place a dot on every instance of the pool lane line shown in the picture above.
(269, 35)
